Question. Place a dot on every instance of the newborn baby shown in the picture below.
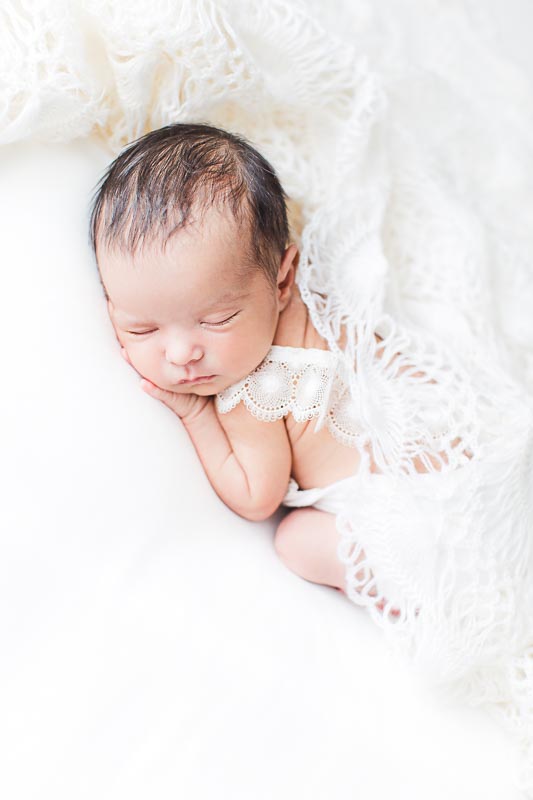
(407, 462)
(189, 229)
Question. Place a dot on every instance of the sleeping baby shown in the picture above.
(190, 232)
(391, 450)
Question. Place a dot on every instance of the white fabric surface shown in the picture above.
(152, 645)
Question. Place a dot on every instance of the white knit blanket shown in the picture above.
(404, 140)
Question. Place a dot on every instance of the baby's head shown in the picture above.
(190, 234)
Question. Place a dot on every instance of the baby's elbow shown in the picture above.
(254, 516)
(258, 512)
(260, 505)
(263, 495)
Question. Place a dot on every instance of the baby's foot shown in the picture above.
(394, 612)
(372, 592)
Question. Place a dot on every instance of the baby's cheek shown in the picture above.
(139, 360)
(233, 353)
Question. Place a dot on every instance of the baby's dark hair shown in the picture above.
(148, 192)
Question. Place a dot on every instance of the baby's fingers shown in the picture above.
(155, 391)
(168, 398)
(179, 404)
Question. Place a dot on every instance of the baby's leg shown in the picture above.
(306, 541)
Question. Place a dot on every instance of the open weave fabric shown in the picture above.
(436, 536)
(403, 138)
(409, 420)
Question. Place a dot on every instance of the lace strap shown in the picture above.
(289, 380)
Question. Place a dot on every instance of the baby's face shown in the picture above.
(195, 318)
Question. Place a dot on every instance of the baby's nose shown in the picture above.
(181, 352)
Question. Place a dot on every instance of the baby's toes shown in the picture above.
(394, 612)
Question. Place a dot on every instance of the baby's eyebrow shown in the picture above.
(126, 319)
(228, 297)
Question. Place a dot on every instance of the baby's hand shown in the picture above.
(185, 406)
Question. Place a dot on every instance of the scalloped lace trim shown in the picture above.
(307, 383)
(415, 412)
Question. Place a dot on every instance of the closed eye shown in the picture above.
(222, 322)
(210, 324)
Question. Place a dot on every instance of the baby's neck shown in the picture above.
(295, 328)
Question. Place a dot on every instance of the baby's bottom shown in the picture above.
(306, 541)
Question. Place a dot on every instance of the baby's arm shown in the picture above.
(247, 461)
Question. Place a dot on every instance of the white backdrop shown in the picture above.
(152, 645)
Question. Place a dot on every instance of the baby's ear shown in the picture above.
(295, 258)
(287, 272)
